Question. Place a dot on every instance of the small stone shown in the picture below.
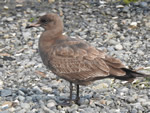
(5, 105)
(1, 83)
(141, 100)
(134, 24)
(146, 103)
(143, 4)
(21, 92)
(19, 5)
(16, 102)
(140, 52)
(37, 90)
(12, 110)
(6, 7)
(134, 111)
(83, 101)
(124, 89)
(25, 105)
(21, 111)
(137, 105)
(28, 98)
(47, 89)
(73, 108)
(36, 98)
(26, 35)
(147, 24)
(10, 19)
(51, 103)
(119, 6)
(130, 99)
(28, 10)
(47, 110)
(109, 102)
(6, 111)
(103, 102)
(100, 86)
(136, 3)
(112, 42)
(51, 1)
(52, 96)
(21, 98)
(125, 9)
(5, 92)
(24, 90)
(6, 36)
(118, 47)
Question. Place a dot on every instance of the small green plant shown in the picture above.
(128, 1)
(31, 20)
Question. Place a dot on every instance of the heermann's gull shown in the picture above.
(76, 60)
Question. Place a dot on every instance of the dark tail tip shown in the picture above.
(130, 75)
(134, 73)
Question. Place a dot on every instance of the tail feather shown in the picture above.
(130, 75)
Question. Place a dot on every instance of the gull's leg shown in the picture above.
(77, 94)
(71, 88)
(68, 102)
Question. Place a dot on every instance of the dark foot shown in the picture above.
(77, 101)
(68, 102)
(65, 102)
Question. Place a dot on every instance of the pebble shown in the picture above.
(6, 7)
(140, 52)
(51, 1)
(134, 111)
(119, 6)
(36, 98)
(21, 98)
(134, 24)
(126, 9)
(21, 92)
(1, 83)
(100, 86)
(21, 111)
(37, 90)
(147, 24)
(130, 99)
(118, 47)
(10, 19)
(113, 42)
(143, 4)
(146, 103)
(5, 105)
(6, 36)
(51, 103)
(46, 89)
(25, 106)
(125, 89)
(6, 111)
(6, 92)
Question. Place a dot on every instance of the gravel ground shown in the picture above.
(26, 86)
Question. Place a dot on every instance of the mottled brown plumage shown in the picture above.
(76, 60)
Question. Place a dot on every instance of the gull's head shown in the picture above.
(48, 22)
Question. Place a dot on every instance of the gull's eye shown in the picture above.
(44, 21)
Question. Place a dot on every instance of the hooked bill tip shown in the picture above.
(32, 25)
(28, 27)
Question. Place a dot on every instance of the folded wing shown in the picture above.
(80, 63)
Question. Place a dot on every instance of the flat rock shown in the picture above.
(119, 47)
(5, 105)
(25, 105)
(5, 92)
(143, 4)
(46, 89)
